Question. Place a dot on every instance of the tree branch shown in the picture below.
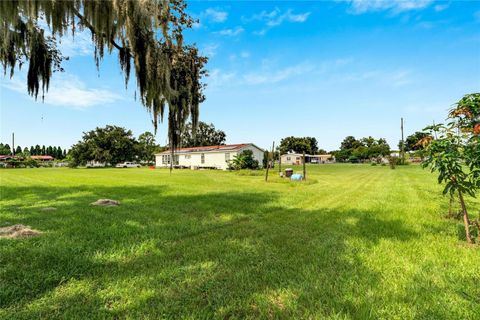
(94, 32)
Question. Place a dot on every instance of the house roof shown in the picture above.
(306, 155)
(42, 157)
(227, 147)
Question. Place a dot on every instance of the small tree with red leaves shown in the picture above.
(453, 150)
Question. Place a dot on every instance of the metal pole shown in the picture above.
(403, 143)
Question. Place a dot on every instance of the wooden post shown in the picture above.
(279, 163)
(304, 167)
(268, 162)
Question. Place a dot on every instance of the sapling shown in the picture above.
(454, 153)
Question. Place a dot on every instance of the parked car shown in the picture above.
(128, 165)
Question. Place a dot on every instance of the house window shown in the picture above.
(227, 156)
(203, 158)
(166, 159)
(288, 158)
(187, 156)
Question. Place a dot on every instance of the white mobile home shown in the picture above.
(212, 157)
(297, 158)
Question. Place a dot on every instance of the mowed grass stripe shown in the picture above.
(353, 242)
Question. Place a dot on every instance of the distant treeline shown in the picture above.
(56, 152)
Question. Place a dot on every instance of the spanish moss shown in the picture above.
(145, 34)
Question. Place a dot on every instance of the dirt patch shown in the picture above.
(18, 231)
(49, 209)
(106, 203)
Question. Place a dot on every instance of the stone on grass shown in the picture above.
(106, 203)
(49, 209)
(18, 231)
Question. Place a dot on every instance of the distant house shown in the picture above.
(42, 158)
(297, 158)
(212, 157)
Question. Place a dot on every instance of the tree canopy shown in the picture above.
(352, 149)
(205, 135)
(109, 145)
(146, 147)
(412, 141)
(145, 34)
(295, 144)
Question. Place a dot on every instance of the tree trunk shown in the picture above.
(477, 223)
(466, 221)
(450, 207)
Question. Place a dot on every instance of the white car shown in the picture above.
(127, 165)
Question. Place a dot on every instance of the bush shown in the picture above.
(244, 160)
(393, 161)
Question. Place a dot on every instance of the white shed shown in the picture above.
(213, 157)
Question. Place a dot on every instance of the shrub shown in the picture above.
(244, 160)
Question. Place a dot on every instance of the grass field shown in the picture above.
(353, 242)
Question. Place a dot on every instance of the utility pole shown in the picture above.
(13, 143)
(403, 143)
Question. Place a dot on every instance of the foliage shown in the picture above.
(109, 145)
(204, 135)
(412, 141)
(268, 155)
(5, 149)
(369, 148)
(112, 145)
(56, 152)
(243, 160)
(393, 161)
(146, 147)
(309, 145)
(453, 151)
(147, 33)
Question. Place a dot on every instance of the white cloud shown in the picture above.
(441, 7)
(231, 32)
(244, 54)
(275, 18)
(68, 92)
(210, 50)
(215, 15)
(269, 76)
(79, 45)
(268, 72)
(218, 78)
(394, 6)
(396, 78)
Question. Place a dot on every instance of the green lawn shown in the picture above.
(353, 242)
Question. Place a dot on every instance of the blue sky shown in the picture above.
(326, 69)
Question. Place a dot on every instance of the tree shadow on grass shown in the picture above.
(214, 255)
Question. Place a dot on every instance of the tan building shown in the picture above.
(212, 157)
(297, 158)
